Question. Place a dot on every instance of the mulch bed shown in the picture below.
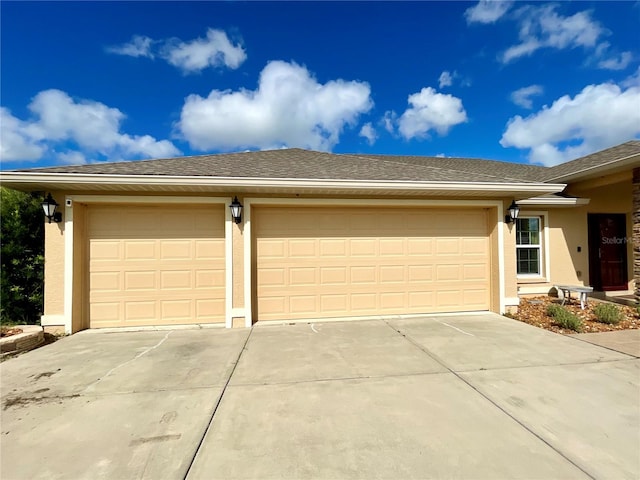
(9, 331)
(534, 312)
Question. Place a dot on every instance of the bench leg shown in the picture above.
(583, 299)
(565, 294)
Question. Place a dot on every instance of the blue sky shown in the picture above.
(524, 82)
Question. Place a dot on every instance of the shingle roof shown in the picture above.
(295, 163)
(473, 166)
(597, 159)
(305, 164)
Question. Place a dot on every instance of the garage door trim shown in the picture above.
(72, 255)
(308, 202)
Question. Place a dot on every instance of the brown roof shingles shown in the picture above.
(596, 159)
(295, 163)
(305, 164)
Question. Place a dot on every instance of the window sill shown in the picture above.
(531, 280)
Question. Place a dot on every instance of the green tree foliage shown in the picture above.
(22, 245)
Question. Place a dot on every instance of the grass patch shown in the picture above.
(608, 313)
(564, 318)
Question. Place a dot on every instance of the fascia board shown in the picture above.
(18, 178)
(554, 202)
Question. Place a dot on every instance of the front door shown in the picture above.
(608, 251)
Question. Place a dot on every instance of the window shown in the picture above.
(529, 246)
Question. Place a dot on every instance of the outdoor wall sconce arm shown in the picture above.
(49, 205)
(236, 210)
(514, 211)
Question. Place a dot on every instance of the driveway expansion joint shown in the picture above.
(490, 400)
(217, 404)
(338, 379)
(548, 365)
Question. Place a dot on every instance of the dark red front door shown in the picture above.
(608, 251)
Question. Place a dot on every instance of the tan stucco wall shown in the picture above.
(79, 317)
(54, 266)
(238, 270)
(509, 259)
(568, 230)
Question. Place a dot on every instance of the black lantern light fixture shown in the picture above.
(236, 210)
(514, 211)
(49, 205)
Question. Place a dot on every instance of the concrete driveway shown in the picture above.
(475, 396)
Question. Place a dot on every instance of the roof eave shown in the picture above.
(554, 202)
(598, 170)
(76, 181)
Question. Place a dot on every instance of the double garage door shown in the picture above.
(329, 262)
(156, 265)
(163, 265)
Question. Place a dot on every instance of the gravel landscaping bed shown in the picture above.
(534, 312)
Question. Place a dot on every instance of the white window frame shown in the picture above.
(543, 247)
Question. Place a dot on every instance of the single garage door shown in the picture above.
(328, 262)
(156, 265)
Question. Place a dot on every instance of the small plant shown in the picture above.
(607, 313)
(564, 318)
(553, 309)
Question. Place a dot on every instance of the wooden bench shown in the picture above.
(582, 291)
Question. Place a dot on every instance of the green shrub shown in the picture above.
(608, 313)
(564, 318)
(553, 309)
(21, 257)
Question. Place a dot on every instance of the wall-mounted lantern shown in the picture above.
(49, 205)
(236, 210)
(514, 211)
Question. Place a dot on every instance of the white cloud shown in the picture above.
(389, 120)
(367, 131)
(522, 96)
(15, 144)
(139, 46)
(430, 110)
(596, 118)
(542, 27)
(614, 61)
(289, 107)
(71, 158)
(91, 126)
(446, 79)
(216, 50)
(487, 11)
(632, 80)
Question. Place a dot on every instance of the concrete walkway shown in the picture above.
(453, 396)
(625, 341)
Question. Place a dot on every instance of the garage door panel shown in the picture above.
(140, 280)
(302, 276)
(176, 279)
(421, 300)
(362, 247)
(105, 251)
(321, 262)
(142, 274)
(391, 246)
(333, 275)
(333, 247)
